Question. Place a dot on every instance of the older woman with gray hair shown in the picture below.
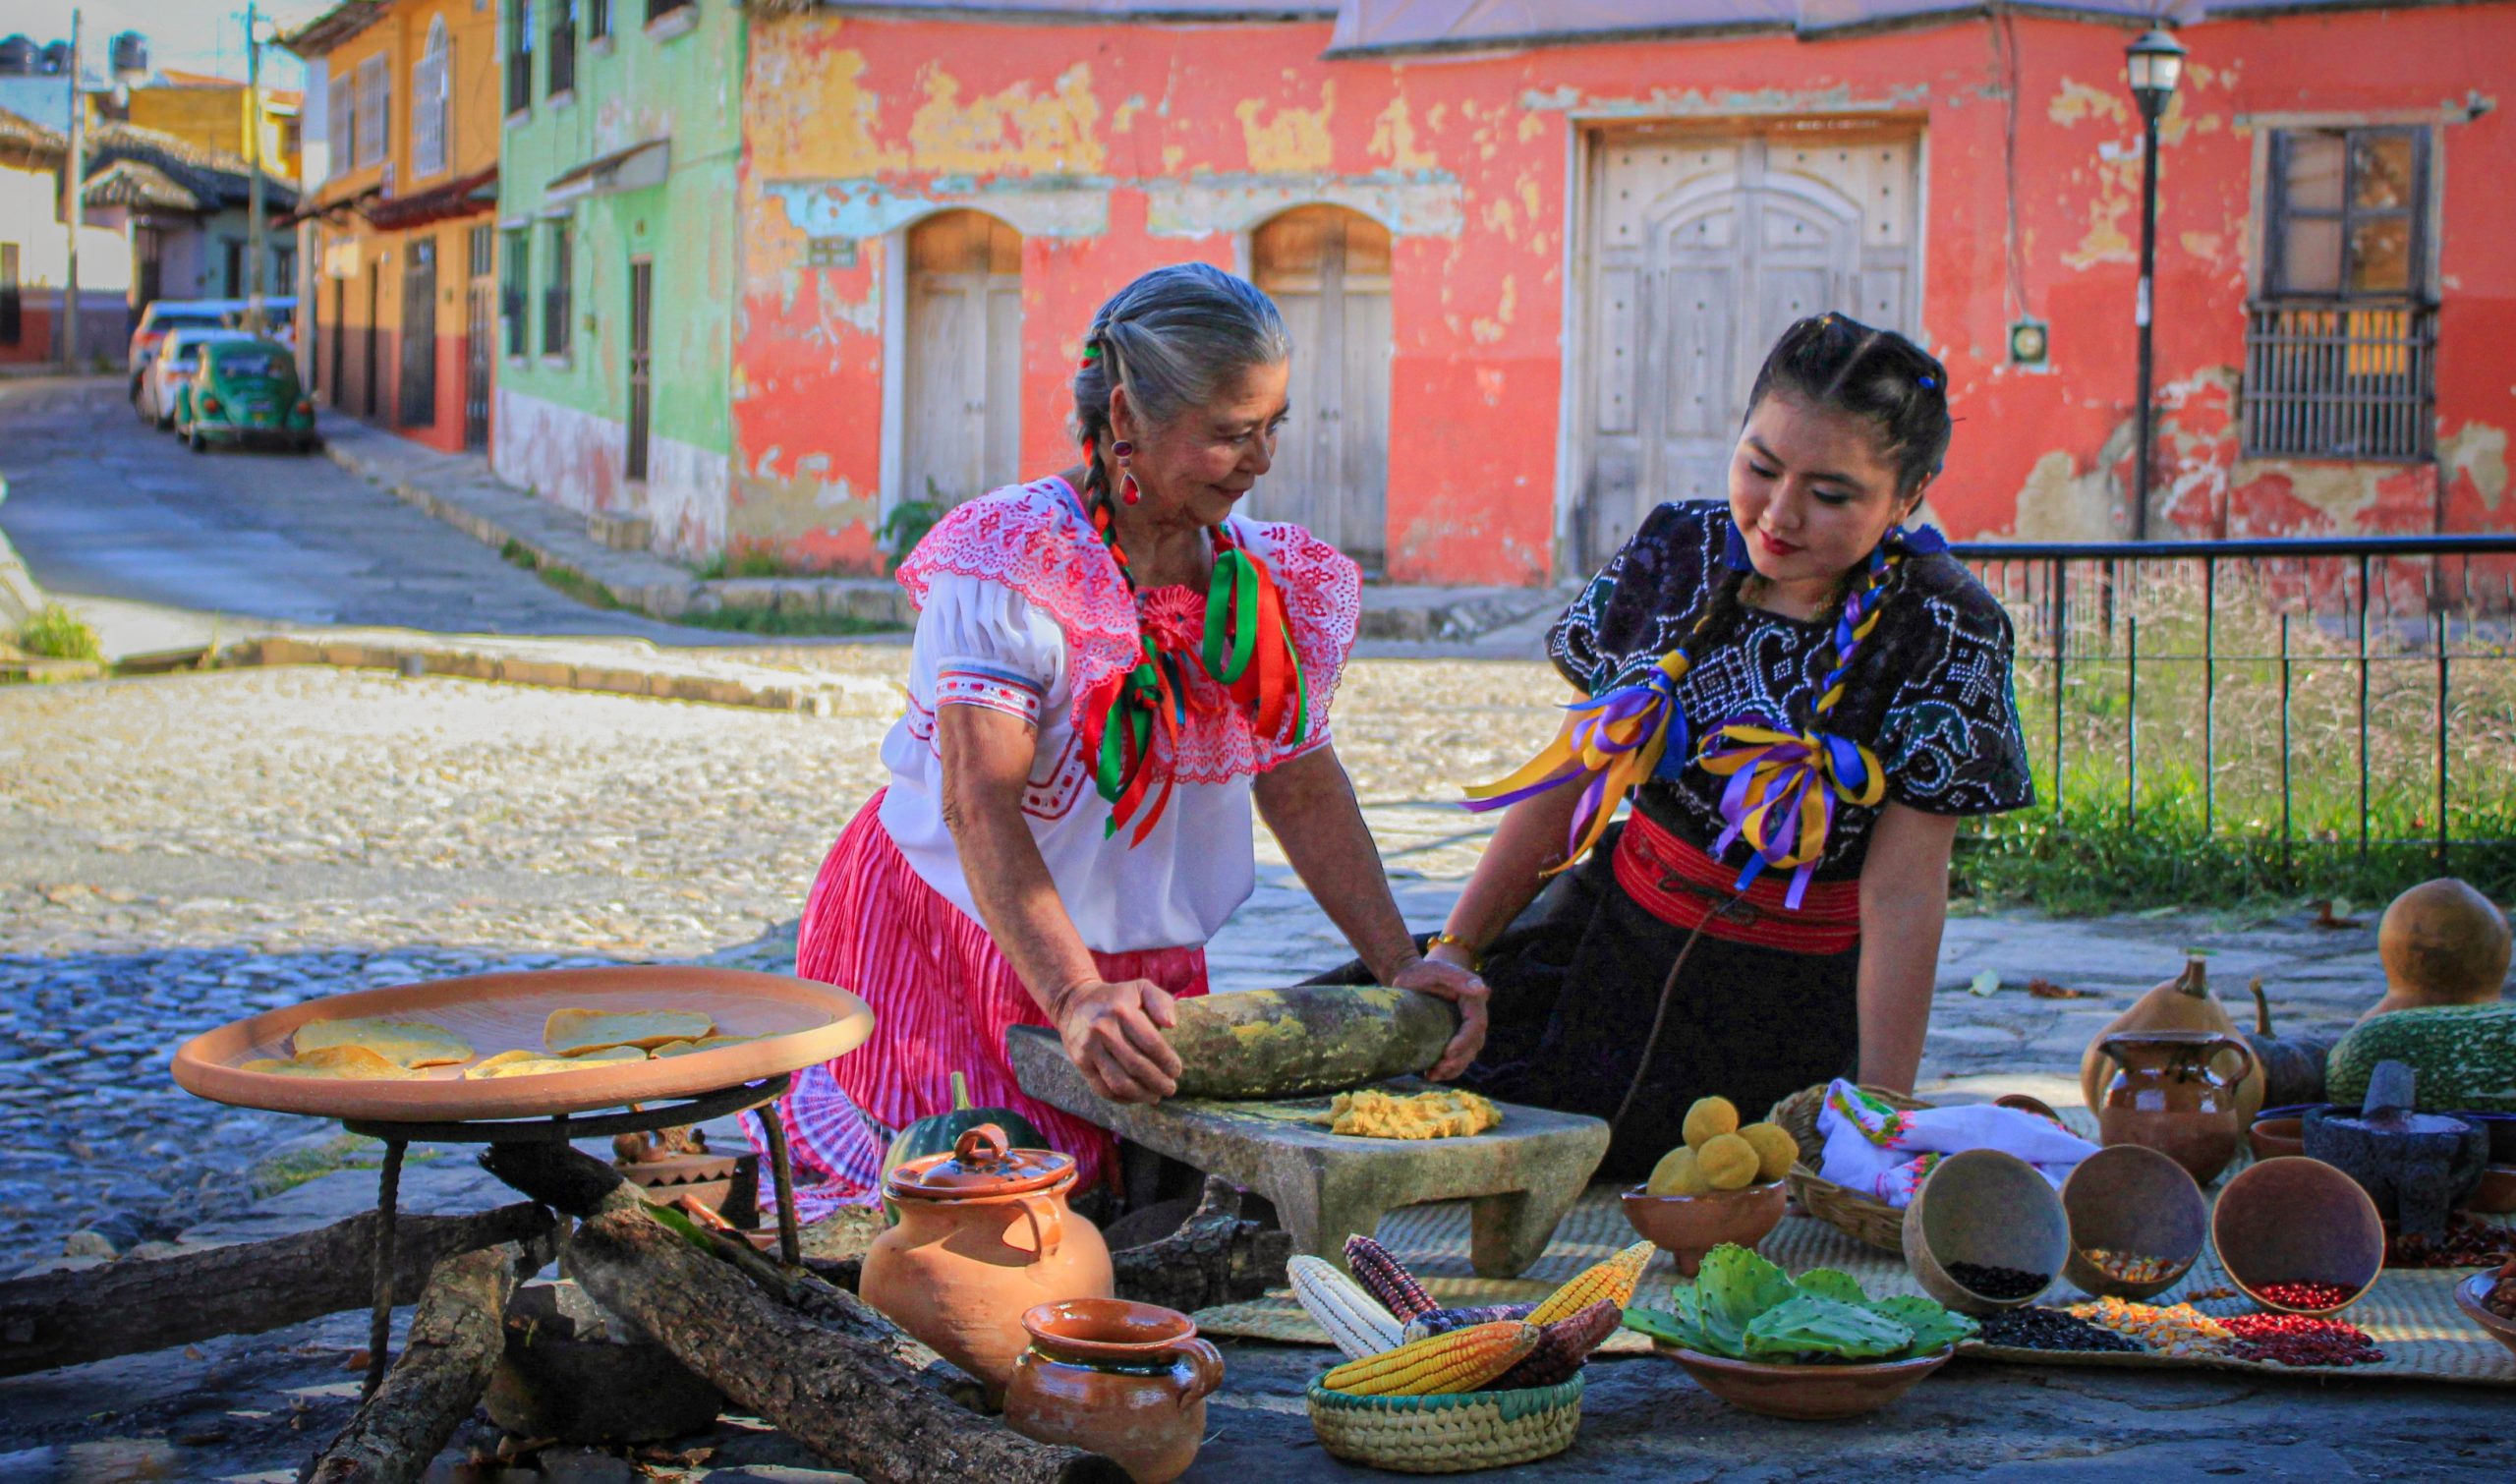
(1110, 665)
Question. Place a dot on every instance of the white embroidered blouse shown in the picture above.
(1022, 610)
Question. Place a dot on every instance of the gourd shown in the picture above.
(2182, 1003)
(1708, 1118)
(2441, 943)
(1729, 1161)
(939, 1133)
(2463, 1056)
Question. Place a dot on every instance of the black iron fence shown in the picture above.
(2336, 691)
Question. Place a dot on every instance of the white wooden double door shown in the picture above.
(1703, 249)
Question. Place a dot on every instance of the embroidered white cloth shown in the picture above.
(1886, 1152)
(1021, 610)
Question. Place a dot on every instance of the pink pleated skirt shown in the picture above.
(943, 997)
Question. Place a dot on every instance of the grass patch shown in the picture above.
(779, 623)
(751, 562)
(56, 633)
(575, 585)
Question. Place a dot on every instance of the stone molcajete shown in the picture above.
(2413, 1166)
(2167, 1096)
(1125, 1380)
(985, 1235)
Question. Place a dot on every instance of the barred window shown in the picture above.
(431, 117)
(656, 9)
(563, 47)
(515, 288)
(519, 55)
(598, 19)
(554, 295)
(375, 109)
(2341, 349)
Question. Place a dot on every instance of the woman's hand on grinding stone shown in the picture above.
(1464, 990)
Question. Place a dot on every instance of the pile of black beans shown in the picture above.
(2039, 1329)
(1998, 1283)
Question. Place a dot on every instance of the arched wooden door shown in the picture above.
(964, 380)
(1703, 251)
(1328, 269)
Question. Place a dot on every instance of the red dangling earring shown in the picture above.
(1130, 493)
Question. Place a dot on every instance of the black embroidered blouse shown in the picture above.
(1930, 693)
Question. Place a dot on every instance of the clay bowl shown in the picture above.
(1805, 1392)
(2130, 1198)
(2278, 1135)
(1986, 1208)
(2495, 1195)
(2026, 1103)
(2468, 1298)
(2296, 1220)
(1686, 1227)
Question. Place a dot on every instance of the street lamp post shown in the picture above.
(2156, 64)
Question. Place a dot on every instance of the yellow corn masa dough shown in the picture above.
(570, 1033)
(531, 1064)
(1443, 1114)
(405, 1042)
(702, 1043)
(354, 1064)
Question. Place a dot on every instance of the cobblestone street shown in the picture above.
(181, 850)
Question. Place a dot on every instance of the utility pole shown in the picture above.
(257, 234)
(77, 182)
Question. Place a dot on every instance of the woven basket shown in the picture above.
(1447, 1434)
(1863, 1218)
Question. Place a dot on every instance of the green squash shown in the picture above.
(2464, 1056)
(939, 1133)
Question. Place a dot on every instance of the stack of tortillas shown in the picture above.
(374, 1048)
(368, 1050)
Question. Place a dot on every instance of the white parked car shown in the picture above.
(162, 318)
(177, 357)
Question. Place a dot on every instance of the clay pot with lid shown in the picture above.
(1129, 1381)
(2166, 1094)
(984, 1235)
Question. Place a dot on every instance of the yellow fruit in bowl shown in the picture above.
(1709, 1119)
(1727, 1162)
(1678, 1174)
(1775, 1148)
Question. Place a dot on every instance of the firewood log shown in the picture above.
(455, 1340)
(832, 1378)
(141, 1304)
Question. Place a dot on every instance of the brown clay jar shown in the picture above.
(2166, 1096)
(1125, 1380)
(983, 1234)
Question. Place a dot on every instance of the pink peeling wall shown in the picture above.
(1128, 145)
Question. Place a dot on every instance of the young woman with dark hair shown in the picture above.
(1801, 697)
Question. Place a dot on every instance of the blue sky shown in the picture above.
(187, 34)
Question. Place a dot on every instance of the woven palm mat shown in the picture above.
(2409, 1313)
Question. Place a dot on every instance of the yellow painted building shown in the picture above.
(397, 308)
(217, 113)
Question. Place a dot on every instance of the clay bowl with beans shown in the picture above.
(2296, 1221)
(2137, 1223)
(1985, 1231)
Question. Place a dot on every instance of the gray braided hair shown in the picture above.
(1174, 339)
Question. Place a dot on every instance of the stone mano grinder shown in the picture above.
(1256, 1066)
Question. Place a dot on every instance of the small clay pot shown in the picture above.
(2495, 1195)
(2137, 1200)
(1801, 1391)
(1686, 1227)
(2296, 1220)
(1129, 1381)
(2467, 1297)
(1990, 1208)
(2273, 1138)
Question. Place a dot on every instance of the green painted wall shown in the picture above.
(677, 79)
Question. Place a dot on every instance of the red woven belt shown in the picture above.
(1684, 888)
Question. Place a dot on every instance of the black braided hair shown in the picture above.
(1173, 339)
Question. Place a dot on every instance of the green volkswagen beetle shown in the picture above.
(245, 391)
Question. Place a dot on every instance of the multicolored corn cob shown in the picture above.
(1562, 1346)
(1355, 1324)
(1612, 1280)
(1386, 1278)
(1444, 1321)
(1459, 1361)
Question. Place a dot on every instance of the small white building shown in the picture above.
(35, 256)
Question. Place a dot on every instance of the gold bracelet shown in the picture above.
(1446, 937)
